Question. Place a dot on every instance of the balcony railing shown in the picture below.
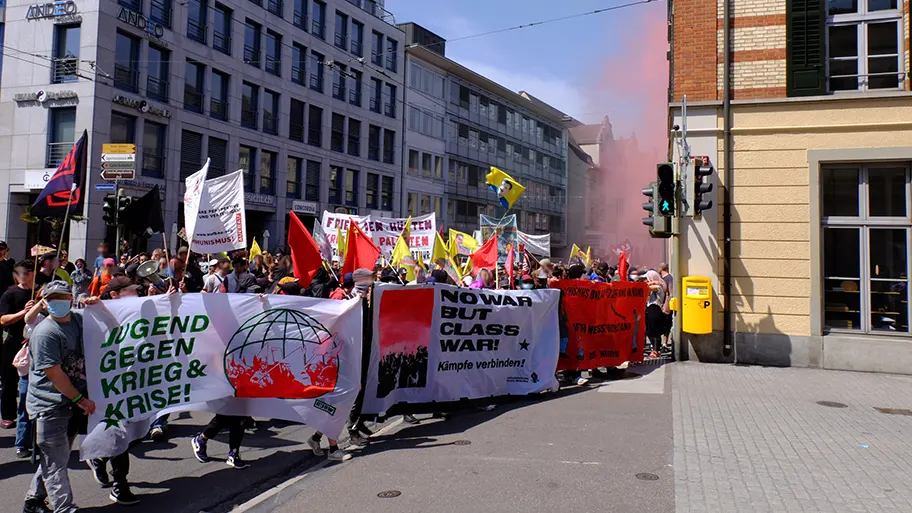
(249, 118)
(248, 180)
(65, 70)
(275, 7)
(270, 123)
(354, 146)
(356, 48)
(377, 57)
(375, 104)
(391, 62)
(252, 55)
(267, 185)
(298, 75)
(221, 42)
(300, 20)
(312, 192)
(293, 190)
(161, 12)
(389, 109)
(196, 32)
(318, 29)
(273, 66)
(371, 7)
(339, 91)
(388, 156)
(373, 153)
(315, 137)
(157, 89)
(153, 165)
(126, 78)
(296, 132)
(337, 141)
(218, 109)
(133, 5)
(354, 97)
(193, 100)
(340, 40)
(56, 152)
(316, 82)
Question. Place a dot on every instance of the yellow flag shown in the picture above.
(588, 255)
(255, 249)
(508, 190)
(467, 267)
(462, 243)
(407, 230)
(420, 261)
(441, 257)
(402, 257)
(342, 245)
(575, 252)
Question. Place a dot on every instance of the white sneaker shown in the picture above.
(315, 447)
(358, 439)
(582, 381)
(339, 455)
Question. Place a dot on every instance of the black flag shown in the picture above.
(56, 196)
(144, 213)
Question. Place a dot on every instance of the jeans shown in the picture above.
(51, 481)
(9, 380)
(232, 423)
(23, 426)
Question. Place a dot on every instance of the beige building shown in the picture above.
(817, 166)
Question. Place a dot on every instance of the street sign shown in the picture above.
(104, 187)
(118, 157)
(118, 148)
(118, 174)
(118, 165)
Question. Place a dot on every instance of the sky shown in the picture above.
(612, 63)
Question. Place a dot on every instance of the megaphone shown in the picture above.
(148, 270)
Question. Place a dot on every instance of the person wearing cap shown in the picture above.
(7, 265)
(96, 288)
(600, 274)
(215, 281)
(57, 391)
(346, 290)
(15, 303)
(526, 282)
(47, 271)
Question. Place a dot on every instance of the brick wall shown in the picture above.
(694, 50)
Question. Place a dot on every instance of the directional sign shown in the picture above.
(118, 174)
(118, 157)
(104, 187)
(118, 148)
(118, 165)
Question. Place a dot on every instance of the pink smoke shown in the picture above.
(632, 89)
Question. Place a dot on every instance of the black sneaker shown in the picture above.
(23, 453)
(234, 460)
(123, 495)
(199, 448)
(410, 419)
(100, 472)
(36, 506)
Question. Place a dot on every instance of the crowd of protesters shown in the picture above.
(44, 394)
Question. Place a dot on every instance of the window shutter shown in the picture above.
(805, 49)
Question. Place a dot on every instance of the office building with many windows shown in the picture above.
(304, 95)
(458, 124)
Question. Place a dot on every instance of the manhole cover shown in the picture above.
(895, 411)
(832, 404)
(646, 476)
(389, 494)
(462, 442)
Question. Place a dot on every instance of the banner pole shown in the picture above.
(66, 217)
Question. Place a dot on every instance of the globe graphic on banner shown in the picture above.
(282, 353)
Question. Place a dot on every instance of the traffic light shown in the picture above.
(666, 188)
(110, 210)
(125, 202)
(659, 224)
(702, 167)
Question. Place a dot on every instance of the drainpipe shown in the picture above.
(729, 178)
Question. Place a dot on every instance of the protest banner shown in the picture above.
(216, 219)
(538, 245)
(602, 324)
(285, 357)
(385, 231)
(443, 343)
(506, 231)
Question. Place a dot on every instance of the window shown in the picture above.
(438, 166)
(191, 153)
(275, 7)
(414, 156)
(252, 43)
(267, 172)
(335, 184)
(392, 47)
(315, 126)
(197, 11)
(337, 135)
(426, 160)
(246, 155)
(221, 33)
(389, 146)
(133, 5)
(126, 67)
(389, 107)
(273, 53)
(425, 122)
(425, 204)
(316, 71)
(866, 229)
(296, 121)
(438, 207)
(193, 86)
(372, 191)
(218, 157)
(413, 204)
(354, 92)
(863, 49)
(376, 94)
(373, 143)
(351, 188)
(160, 11)
(157, 81)
(341, 31)
(312, 185)
(153, 150)
(339, 80)
(66, 54)
(123, 128)
(271, 112)
(377, 48)
(300, 14)
(425, 80)
(218, 104)
(298, 64)
(354, 137)
(249, 105)
(357, 39)
(318, 28)
(293, 169)
(386, 193)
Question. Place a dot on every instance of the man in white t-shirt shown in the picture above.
(215, 280)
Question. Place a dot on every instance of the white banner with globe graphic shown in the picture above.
(284, 357)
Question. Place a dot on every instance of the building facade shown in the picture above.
(817, 167)
(458, 125)
(304, 95)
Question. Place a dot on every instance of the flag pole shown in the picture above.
(66, 217)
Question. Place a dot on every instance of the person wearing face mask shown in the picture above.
(526, 282)
(56, 398)
(634, 275)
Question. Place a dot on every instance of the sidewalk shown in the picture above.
(755, 439)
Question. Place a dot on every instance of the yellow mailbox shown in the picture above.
(697, 309)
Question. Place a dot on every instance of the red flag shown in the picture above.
(305, 255)
(485, 257)
(622, 265)
(508, 264)
(361, 250)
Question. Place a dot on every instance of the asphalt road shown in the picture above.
(576, 450)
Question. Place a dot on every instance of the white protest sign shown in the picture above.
(385, 231)
(220, 223)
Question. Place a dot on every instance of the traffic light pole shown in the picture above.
(117, 221)
(683, 159)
